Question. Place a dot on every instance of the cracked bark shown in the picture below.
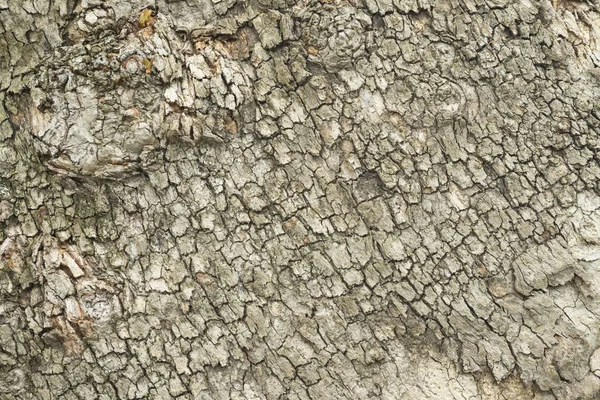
(359, 199)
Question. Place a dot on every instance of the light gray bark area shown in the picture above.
(271, 199)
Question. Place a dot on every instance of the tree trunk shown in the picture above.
(271, 199)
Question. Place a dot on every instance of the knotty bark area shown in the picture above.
(273, 199)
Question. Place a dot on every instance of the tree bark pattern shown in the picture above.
(271, 199)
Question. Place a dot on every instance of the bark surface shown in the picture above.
(272, 199)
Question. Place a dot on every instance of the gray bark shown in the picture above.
(266, 199)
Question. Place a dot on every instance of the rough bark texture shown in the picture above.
(255, 199)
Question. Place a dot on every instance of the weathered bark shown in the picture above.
(356, 199)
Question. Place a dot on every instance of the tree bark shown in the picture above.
(264, 199)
